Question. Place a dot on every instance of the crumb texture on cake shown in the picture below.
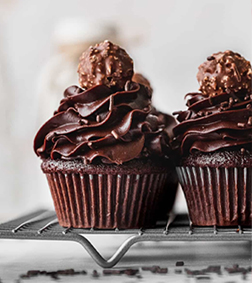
(217, 159)
(145, 166)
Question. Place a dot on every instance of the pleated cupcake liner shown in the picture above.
(217, 196)
(106, 201)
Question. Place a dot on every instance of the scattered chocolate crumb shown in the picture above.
(83, 272)
(43, 272)
(66, 272)
(95, 274)
(155, 269)
(162, 270)
(235, 269)
(210, 269)
(31, 273)
(53, 274)
(179, 263)
(131, 272)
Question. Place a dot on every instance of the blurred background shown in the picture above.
(40, 42)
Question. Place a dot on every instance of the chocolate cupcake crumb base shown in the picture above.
(106, 201)
(217, 196)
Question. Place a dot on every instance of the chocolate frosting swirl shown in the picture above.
(101, 124)
(214, 123)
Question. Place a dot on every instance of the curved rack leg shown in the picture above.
(25, 228)
(98, 258)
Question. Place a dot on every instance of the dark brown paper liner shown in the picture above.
(217, 196)
(106, 201)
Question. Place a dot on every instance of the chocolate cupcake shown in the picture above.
(214, 143)
(105, 151)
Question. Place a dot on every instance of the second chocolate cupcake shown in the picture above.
(214, 143)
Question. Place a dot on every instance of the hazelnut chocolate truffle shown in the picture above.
(105, 64)
(106, 151)
(214, 143)
(224, 72)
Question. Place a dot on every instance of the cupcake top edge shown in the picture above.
(109, 119)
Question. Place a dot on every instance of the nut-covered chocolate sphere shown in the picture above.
(224, 72)
(107, 64)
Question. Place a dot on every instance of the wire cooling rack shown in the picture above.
(43, 225)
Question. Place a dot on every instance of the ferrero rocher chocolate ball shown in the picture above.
(107, 64)
(224, 72)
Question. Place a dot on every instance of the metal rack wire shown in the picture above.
(43, 225)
